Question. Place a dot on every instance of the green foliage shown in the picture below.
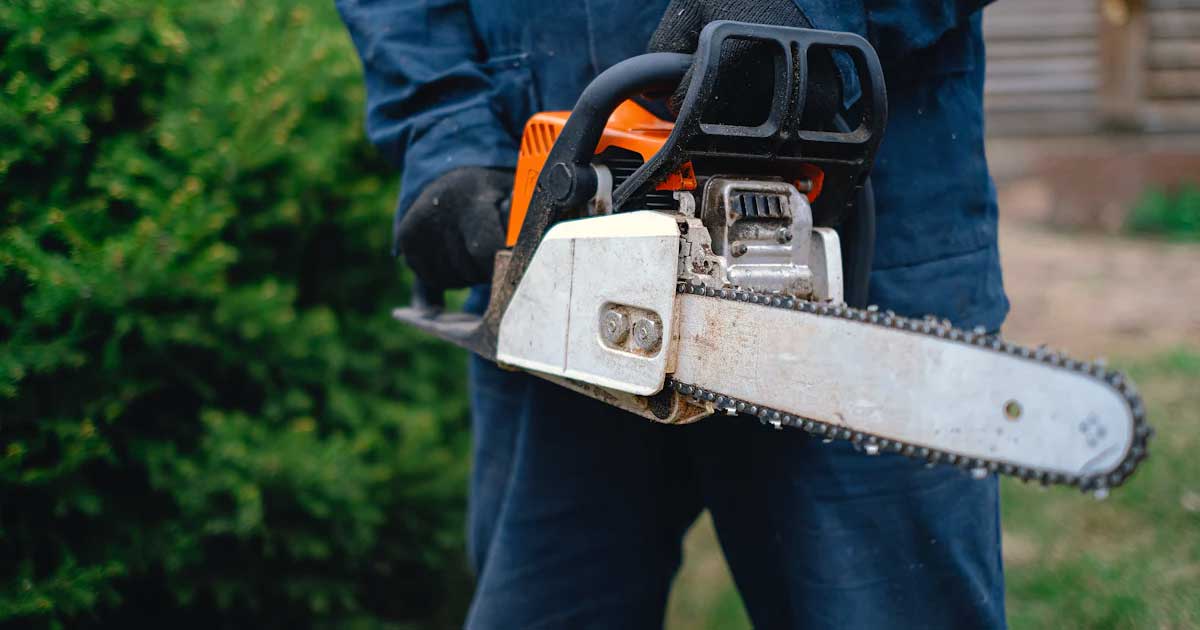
(206, 414)
(1174, 214)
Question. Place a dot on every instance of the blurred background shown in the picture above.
(208, 418)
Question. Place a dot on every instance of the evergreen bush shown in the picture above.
(207, 417)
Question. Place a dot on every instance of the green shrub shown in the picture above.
(1174, 214)
(206, 415)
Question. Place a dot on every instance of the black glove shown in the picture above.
(747, 78)
(451, 233)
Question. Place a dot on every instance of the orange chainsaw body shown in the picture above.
(630, 127)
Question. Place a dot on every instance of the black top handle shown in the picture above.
(779, 143)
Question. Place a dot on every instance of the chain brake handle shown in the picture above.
(779, 144)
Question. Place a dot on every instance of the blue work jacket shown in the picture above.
(450, 83)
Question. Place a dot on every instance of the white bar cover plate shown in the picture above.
(902, 385)
(552, 324)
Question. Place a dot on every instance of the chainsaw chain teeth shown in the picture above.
(942, 329)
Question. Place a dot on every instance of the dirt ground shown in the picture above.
(1094, 295)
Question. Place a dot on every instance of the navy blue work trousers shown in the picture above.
(578, 510)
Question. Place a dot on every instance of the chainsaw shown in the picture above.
(679, 270)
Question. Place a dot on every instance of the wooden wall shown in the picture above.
(1173, 65)
(1080, 66)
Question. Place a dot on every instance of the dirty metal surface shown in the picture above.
(917, 387)
(667, 406)
(583, 268)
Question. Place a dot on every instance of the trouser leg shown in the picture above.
(497, 397)
(822, 536)
(578, 512)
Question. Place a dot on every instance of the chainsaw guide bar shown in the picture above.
(1116, 381)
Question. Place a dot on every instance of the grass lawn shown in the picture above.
(1131, 561)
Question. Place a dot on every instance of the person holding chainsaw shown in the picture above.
(577, 510)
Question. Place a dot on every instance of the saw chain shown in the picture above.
(942, 329)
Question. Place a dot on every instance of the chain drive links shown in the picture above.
(872, 444)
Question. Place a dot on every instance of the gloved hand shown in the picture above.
(748, 65)
(452, 231)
